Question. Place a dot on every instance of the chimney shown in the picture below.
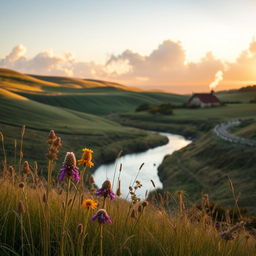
(212, 92)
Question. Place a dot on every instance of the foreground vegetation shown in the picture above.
(50, 217)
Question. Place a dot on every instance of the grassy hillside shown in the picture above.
(82, 83)
(16, 81)
(106, 137)
(202, 167)
(243, 97)
(246, 129)
(102, 101)
(84, 95)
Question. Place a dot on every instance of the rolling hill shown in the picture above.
(84, 95)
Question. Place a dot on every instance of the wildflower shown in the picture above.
(226, 235)
(89, 204)
(69, 168)
(231, 234)
(106, 190)
(86, 158)
(102, 217)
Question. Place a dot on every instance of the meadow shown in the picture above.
(41, 215)
(62, 215)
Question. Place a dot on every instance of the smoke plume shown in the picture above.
(218, 78)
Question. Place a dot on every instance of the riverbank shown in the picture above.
(203, 167)
(150, 159)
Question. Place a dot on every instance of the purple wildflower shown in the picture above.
(226, 235)
(69, 168)
(106, 190)
(102, 217)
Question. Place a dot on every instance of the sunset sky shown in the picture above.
(179, 46)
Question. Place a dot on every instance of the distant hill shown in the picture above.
(84, 95)
(82, 83)
(242, 95)
(15, 81)
(250, 88)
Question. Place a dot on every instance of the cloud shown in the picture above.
(164, 68)
(16, 53)
(242, 71)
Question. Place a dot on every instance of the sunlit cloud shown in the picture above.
(164, 68)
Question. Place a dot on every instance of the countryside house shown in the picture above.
(203, 100)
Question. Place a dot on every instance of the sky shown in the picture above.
(179, 46)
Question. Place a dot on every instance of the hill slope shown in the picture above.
(85, 95)
(203, 166)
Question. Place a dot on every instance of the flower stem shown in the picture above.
(64, 220)
(82, 178)
(21, 235)
(101, 239)
(84, 232)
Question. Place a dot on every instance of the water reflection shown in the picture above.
(151, 158)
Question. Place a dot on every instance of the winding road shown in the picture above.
(221, 130)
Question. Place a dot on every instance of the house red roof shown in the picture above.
(205, 97)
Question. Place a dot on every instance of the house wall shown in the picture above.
(198, 103)
(195, 102)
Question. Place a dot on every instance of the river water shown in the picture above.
(131, 163)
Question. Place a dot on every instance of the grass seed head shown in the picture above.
(52, 136)
(26, 168)
(153, 183)
(92, 180)
(21, 185)
(80, 229)
(21, 208)
(145, 203)
(106, 185)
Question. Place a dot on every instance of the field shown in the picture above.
(45, 215)
(39, 218)
(188, 122)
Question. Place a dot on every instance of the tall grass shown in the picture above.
(33, 222)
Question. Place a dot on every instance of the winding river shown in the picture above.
(131, 163)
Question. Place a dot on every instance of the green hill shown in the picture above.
(15, 81)
(84, 95)
(203, 166)
(102, 101)
(105, 137)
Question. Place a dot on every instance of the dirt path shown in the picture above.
(221, 131)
